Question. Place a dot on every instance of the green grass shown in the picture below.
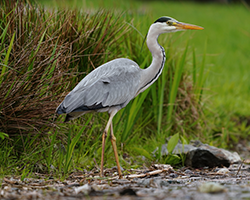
(203, 92)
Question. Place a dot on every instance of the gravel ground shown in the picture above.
(156, 182)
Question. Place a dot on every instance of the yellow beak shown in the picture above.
(180, 25)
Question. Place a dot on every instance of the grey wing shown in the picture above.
(112, 84)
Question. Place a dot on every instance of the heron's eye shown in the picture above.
(169, 23)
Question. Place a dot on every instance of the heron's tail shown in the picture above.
(68, 118)
(73, 115)
(60, 109)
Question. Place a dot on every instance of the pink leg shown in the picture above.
(113, 141)
(104, 135)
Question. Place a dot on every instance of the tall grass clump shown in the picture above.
(41, 52)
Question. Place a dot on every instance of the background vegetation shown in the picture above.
(47, 47)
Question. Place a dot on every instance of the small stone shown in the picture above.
(162, 166)
(188, 171)
(211, 187)
(222, 171)
(96, 187)
(173, 175)
(84, 189)
(7, 188)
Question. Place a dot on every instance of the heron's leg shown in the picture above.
(113, 141)
(104, 135)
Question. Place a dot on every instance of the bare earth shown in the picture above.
(156, 182)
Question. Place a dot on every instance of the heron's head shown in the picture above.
(168, 24)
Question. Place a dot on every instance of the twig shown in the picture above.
(240, 167)
(96, 165)
(146, 174)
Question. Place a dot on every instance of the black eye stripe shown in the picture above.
(163, 19)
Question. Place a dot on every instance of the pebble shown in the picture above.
(222, 171)
(211, 187)
(188, 171)
(84, 189)
(173, 175)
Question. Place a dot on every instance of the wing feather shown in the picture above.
(114, 83)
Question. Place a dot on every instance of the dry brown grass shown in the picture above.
(49, 48)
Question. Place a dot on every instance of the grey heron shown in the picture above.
(111, 86)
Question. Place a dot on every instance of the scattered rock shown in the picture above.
(159, 183)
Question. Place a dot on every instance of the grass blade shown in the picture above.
(133, 111)
(201, 79)
(172, 142)
(71, 147)
(194, 68)
(6, 59)
(161, 99)
(174, 88)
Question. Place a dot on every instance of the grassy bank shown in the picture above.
(46, 51)
(226, 90)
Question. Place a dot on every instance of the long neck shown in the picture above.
(151, 74)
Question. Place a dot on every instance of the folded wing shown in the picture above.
(112, 84)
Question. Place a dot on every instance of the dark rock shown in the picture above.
(199, 155)
(128, 191)
(173, 175)
(209, 156)
(199, 158)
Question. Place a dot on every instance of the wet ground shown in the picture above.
(156, 182)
